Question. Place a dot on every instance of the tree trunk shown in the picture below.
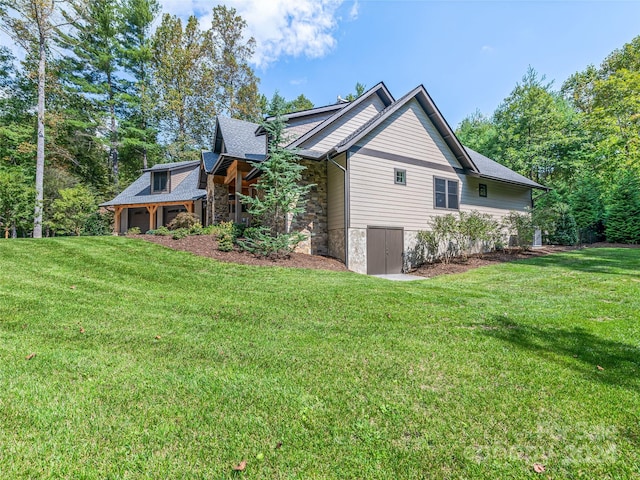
(37, 221)
(113, 140)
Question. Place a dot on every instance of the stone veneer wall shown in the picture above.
(313, 222)
(218, 201)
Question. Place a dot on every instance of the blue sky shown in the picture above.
(468, 54)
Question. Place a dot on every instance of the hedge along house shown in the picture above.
(382, 168)
(157, 196)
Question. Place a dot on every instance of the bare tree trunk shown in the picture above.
(113, 140)
(37, 222)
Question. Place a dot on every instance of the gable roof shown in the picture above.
(380, 89)
(139, 192)
(434, 115)
(240, 141)
(493, 170)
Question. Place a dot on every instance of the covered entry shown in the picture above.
(384, 250)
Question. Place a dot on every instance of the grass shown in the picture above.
(152, 363)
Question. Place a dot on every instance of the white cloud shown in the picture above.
(355, 9)
(280, 27)
(298, 81)
(487, 49)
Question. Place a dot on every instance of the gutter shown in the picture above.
(346, 204)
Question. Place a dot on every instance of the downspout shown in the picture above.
(346, 205)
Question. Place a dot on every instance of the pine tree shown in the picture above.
(281, 195)
(140, 148)
(623, 210)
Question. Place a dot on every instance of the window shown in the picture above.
(400, 176)
(160, 182)
(482, 190)
(446, 193)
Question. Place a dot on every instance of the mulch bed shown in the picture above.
(207, 246)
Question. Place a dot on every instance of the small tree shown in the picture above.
(16, 201)
(72, 210)
(281, 195)
(520, 227)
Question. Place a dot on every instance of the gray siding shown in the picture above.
(374, 197)
(335, 178)
(299, 126)
(335, 208)
(346, 125)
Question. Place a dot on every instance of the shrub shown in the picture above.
(566, 230)
(180, 233)
(520, 228)
(133, 231)
(226, 236)
(258, 240)
(99, 223)
(452, 236)
(183, 220)
(162, 231)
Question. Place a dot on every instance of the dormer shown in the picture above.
(161, 181)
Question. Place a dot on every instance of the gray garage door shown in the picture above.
(384, 250)
(139, 217)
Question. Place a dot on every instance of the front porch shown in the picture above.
(150, 216)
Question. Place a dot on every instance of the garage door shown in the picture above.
(384, 250)
(139, 217)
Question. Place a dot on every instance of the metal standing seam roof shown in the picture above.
(139, 192)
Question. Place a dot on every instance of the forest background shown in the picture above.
(94, 93)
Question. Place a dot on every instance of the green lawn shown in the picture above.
(308, 374)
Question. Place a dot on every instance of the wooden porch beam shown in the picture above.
(152, 216)
(116, 219)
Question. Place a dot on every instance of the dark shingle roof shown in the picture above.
(171, 166)
(139, 192)
(493, 170)
(209, 159)
(240, 139)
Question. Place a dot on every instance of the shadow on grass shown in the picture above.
(576, 349)
(618, 261)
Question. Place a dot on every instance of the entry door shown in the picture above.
(384, 250)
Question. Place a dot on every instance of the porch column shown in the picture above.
(238, 191)
(152, 216)
(116, 220)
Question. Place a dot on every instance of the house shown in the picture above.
(382, 168)
(157, 196)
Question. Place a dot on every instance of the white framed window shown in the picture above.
(445, 193)
(400, 176)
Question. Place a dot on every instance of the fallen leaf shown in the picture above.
(158, 337)
(241, 466)
(30, 356)
(72, 287)
(278, 445)
(600, 368)
(81, 330)
(538, 468)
